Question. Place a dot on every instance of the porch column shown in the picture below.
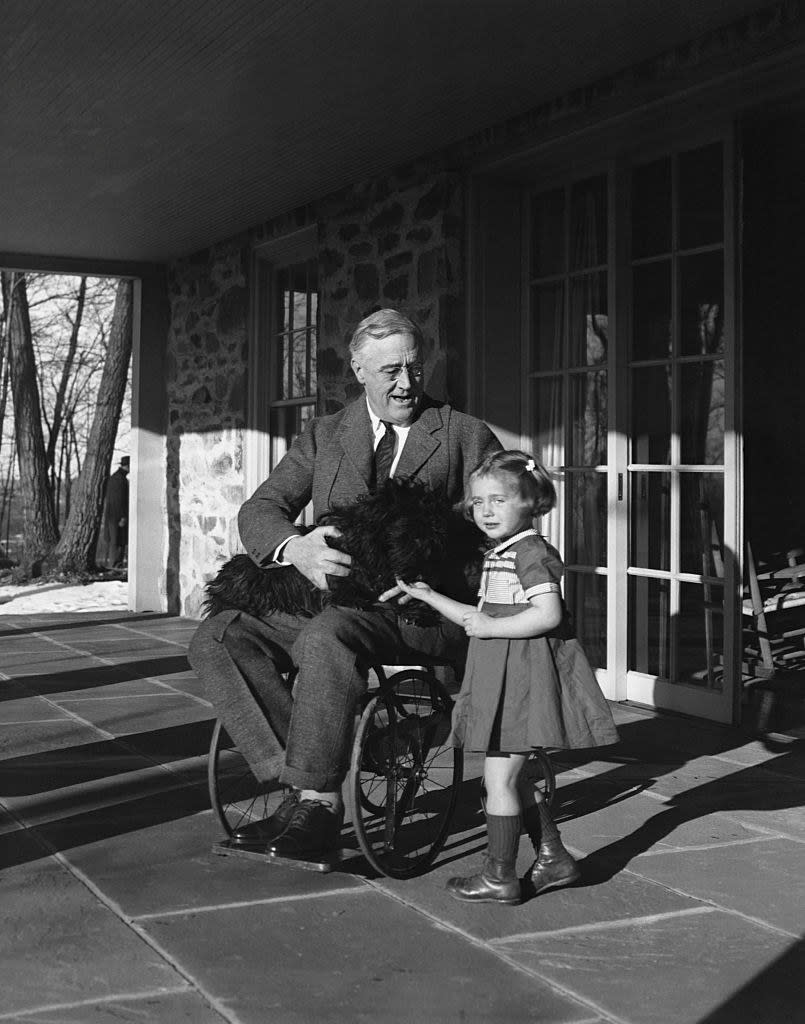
(148, 528)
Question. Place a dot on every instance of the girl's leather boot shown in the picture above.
(496, 882)
(554, 866)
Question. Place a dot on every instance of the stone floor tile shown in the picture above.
(772, 996)
(713, 772)
(147, 782)
(170, 866)
(592, 901)
(590, 813)
(73, 696)
(185, 740)
(762, 879)
(638, 823)
(59, 944)
(753, 797)
(767, 751)
(117, 645)
(352, 957)
(79, 826)
(183, 1007)
(61, 768)
(683, 736)
(23, 740)
(672, 970)
(788, 820)
(50, 662)
(82, 678)
(17, 846)
(29, 710)
(131, 715)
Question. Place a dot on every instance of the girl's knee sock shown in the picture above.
(503, 832)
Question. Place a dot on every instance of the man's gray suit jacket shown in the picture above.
(331, 462)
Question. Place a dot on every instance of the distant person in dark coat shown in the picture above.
(116, 515)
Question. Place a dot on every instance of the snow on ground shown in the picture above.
(37, 598)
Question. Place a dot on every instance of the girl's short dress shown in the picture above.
(537, 692)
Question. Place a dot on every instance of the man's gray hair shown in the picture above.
(381, 324)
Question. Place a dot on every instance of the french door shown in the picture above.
(631, 386)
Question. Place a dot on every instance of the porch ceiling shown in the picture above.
(145, 129)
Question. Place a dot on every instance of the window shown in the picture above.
(568, 372)
(292, 343)
(282, 352)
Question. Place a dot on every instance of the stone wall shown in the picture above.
(206, 369)
(396, 241)
(390, 242)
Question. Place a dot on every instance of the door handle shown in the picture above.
(620, 486)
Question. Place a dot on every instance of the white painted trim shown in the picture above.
(148, 523)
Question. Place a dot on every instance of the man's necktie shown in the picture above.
(384, 455)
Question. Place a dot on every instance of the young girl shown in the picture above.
(527, 682)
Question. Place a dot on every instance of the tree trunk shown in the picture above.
(40, 533)
(59, 404)
(3, 371)
(76, 549)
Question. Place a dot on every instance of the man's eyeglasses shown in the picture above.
(391, 373)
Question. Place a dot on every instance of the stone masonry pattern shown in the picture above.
(391, 242)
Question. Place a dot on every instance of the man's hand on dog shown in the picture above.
(314, 558)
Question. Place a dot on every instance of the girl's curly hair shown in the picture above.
(527, 475)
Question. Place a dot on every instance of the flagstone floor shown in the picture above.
(690, 911)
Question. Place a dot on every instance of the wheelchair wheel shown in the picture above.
(236, 796)
(539, 774)
(404, 776)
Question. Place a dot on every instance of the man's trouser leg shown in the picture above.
(333, 653)
(242, 660)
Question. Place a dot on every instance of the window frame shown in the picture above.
(261, 448)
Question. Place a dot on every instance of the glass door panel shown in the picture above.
(651, 414)
(568, 373)
(649, 626)
(679, 392)
(650, 507)
(586, 600)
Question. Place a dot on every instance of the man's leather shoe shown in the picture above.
(497, 882)
(314, 828)
(259, 833)
(554, 867)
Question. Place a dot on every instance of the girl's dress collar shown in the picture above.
(513, 540)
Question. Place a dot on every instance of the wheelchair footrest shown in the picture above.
(323, 863)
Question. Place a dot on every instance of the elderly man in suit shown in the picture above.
(304, 738)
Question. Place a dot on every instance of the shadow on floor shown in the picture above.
(91, 762)
(77, 680)
(774, 995)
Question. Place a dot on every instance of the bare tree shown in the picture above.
(76, 549)
(67, 369)
(40, 532)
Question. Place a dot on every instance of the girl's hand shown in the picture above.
(391, 593)
(480, 625)
(418, 589)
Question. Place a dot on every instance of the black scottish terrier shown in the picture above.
(403, 531)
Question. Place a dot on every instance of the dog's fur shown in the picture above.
(404, 531)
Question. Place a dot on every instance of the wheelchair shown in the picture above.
(403, 782)
(404, 777)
